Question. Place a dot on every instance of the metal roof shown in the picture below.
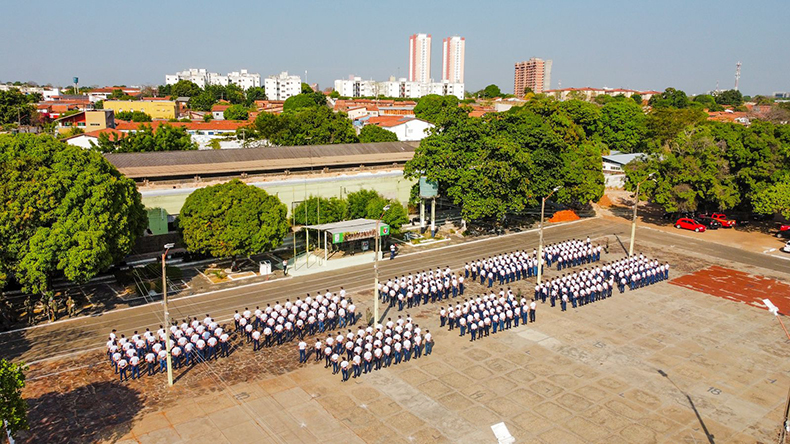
(347, 226)
(622, 159)
(250, 160)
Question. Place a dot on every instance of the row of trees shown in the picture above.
(145, 139)
(306, 120)
(202, 99)
(359, 204)
(16, 107)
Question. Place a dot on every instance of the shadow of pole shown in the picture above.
(619, 241)
(693, 407)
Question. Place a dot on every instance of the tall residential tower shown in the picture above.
(534, 74)
(420, 58)
(453, 49)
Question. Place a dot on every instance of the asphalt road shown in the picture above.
(90, 333)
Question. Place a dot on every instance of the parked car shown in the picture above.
(786, 248)
(784, 231)
(689, 224)
(722, 218)
(710, 224)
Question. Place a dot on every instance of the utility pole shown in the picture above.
(633, 220)
(737, 74)
(377, 249)
(169, 341)
(540, 243)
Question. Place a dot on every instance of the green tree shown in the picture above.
(774, 199)
(623, 126)
(68, 212)
(490, 91)
(396, 216)
(16, 107)
(665, 123)
(334, 95)
(234, 94)
(184, 88)
(164, 90)
(145, 139)
(13, 408)
(528, 90)
(306, 126)
(202, 101)
(133, 116)
(99, 104)
(440, 110)
(232, 219)
(317, 210)
(637, 98)
(358, 202)
(375, 133)
(304, 100)
(236, 112)
(731, 97)
(306, 89)
(253, 94)
(670, 97)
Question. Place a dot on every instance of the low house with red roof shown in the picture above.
(407, 128)
(218, 111)
(97, 94)
(84, 140)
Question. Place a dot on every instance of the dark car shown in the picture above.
(784, 231)
(710, 224)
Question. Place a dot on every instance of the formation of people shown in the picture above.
(420, 288)
(488, 314)
(354, 354)
(587, 286)
(275, 325)
(192, 342)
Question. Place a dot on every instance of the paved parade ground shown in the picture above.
(673, 362)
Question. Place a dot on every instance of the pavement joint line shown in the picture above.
(62, 321)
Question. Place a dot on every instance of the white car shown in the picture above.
(786, 248)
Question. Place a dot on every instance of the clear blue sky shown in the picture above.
(687, 44)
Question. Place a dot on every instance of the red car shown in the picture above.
(784, 230)
(689, 224)
(725, 223)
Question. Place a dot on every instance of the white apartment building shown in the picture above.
(201, 78)
(420, 58)
(356, 87)
(282, 86)
(453, 50)
(413, 90)
(244, 79)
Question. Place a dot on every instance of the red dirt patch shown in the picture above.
(737, 286)
(605, 201)
(564, 216)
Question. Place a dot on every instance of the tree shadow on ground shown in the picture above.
(15, 344)
(101, 411)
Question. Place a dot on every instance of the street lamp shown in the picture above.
(168, 340)
(540, 244)
(633, 221)
(773, 309)
(376, 268)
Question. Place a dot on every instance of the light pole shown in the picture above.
(540, 244)
(633, 221)
(376, 268)
(785, 423)
(168, 340)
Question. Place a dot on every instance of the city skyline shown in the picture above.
(694, 46)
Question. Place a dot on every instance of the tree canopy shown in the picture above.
(375, 133)
(504, 163)
(439, 110)
(145, 139)
(321, 210)
(236, 112)
(304, 100)
(232, 219)
(731, 97)
(305, 126)
(68, 212)
(670, 97)
(17, 107)
(13, 408)
(491, 91)
(184, 88)
(133, 116)
(623, 126)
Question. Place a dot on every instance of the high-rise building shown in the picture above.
(453, 49)
(282, 86)
(420, 58)
(534, 74)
